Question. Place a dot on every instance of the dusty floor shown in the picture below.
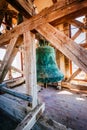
(64, 106)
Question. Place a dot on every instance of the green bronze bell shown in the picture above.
(47, 69)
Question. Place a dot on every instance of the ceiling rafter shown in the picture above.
(48, 15)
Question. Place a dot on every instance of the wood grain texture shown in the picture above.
(66, 45)
(74, 75)
(30, 66)
(47, 15)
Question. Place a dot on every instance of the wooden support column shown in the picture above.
(66, 29)
(85, 23)
(64, 61)
(30, 66)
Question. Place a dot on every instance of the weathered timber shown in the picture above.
(17, 70)
(66, 28)
(54, 1)
(63, 43)
(17, 5)
(63, 61)
(79, 81)
(9, 57)
(48, 15)
(45, 123)
(83, 45)
(27, 5)
(30, 66)
(14, 68)
(79, 25)
(13, 108)
(31, 118)
(76, 34)
(25, 97)
(6, 58)
(20, 40)
(14, 82)
(74, 75)
(71, 86)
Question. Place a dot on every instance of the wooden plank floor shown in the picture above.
(66, 107)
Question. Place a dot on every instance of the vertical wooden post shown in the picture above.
(85, 23)
(64, 61)
(66, 29)
(30, 66)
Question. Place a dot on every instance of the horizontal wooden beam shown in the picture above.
(67, 46)
(48, 15)
(74, 87)
(14, 82)
(3, 88)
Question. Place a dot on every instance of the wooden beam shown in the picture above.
(21, 5)
(63, 43)
(13, 108)
(69, 17)
(75, 87)
(15, 69)
(79, 25)
(4, 89)
(83, 45)
(48, 15)
(27, 5)
(74, 75)
(30, 66)
(12, 83)
(20, 40)
(45, 123)
(9, 57)
(54, 1)
(67, 31)
(76, 34)
(5, 61)
(31, 118)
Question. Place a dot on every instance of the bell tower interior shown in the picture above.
(43, 65)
